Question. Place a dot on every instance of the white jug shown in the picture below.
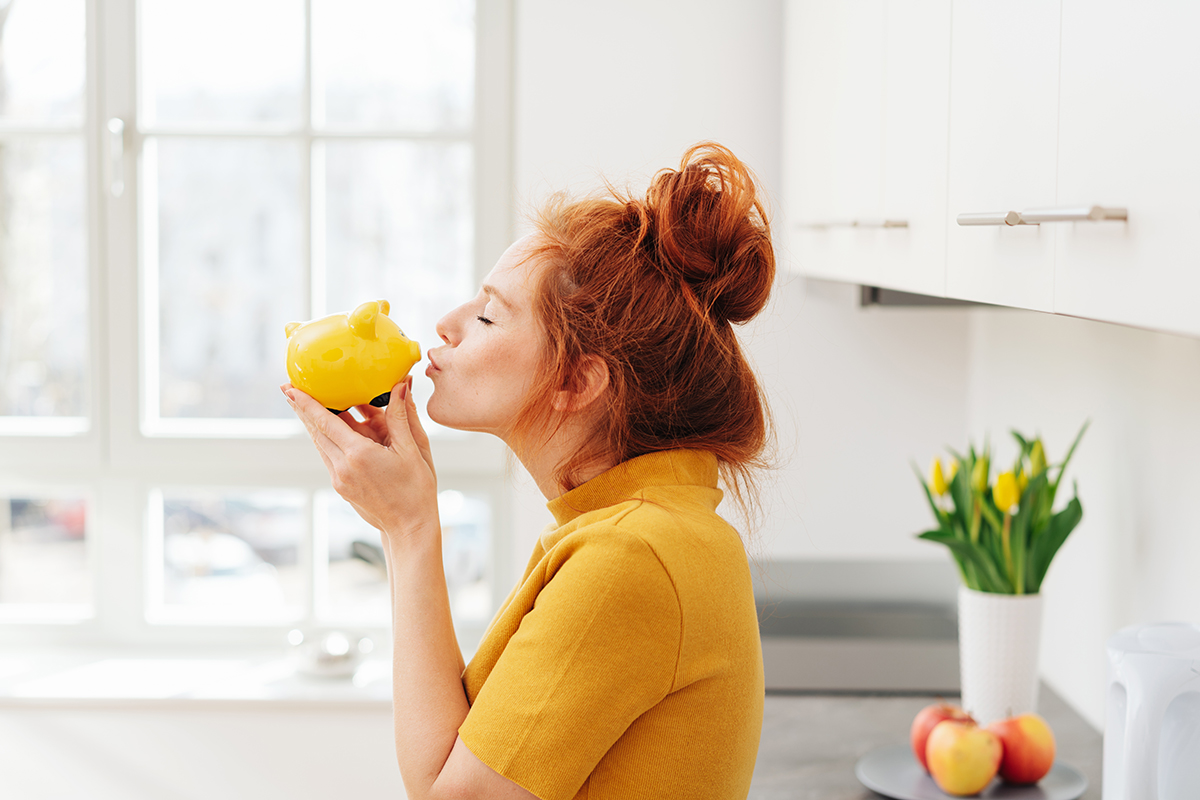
(1152, 730)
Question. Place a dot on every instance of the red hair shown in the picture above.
(653, 287)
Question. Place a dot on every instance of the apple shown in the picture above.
(1028, 748)
(923, 723)
(963, 757)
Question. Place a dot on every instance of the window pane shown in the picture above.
(399, 225)
(357, 583)
(230, 557)
(43, 276)
(231, 274)
(466, 553)
(43, 554)
(42, 61)
(222, 62)
(404, 64)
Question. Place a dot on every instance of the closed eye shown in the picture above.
(483, 319)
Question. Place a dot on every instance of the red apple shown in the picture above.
(923, 723)
(1028, 748)
(963, 757)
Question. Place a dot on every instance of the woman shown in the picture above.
(626, 663)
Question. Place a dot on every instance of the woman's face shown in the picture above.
(491, 351)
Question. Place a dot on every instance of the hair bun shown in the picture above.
(708, 230)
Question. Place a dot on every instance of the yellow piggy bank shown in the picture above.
(346, 360)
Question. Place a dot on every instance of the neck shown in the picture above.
(542, 459)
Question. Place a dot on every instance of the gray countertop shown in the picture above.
(811, 742)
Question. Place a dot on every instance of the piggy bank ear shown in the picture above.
(362, 320)
(385, 307)
(290, 328)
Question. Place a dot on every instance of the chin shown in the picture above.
(447, 418)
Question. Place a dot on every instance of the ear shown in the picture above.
(290, 328)
(588, 383)
(362, 320)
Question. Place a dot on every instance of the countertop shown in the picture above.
(811, 742)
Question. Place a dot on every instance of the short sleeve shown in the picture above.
(599, 647)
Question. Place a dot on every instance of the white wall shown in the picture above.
(1134, 556)
(618, 90)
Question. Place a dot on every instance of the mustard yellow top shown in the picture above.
(627, 662)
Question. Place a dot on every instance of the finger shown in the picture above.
(325, 448)
(368, 427)
(317, 418)
(395, 417)
(369, 412)
(376, 418)
(420, 437)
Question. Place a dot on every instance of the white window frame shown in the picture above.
(119, 463)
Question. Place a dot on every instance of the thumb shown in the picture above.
(396, 417)
(402, 411)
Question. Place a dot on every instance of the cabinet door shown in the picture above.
(833, 132)
(1003, 125)
(916, 109)
(1130, 138)
(868, 96)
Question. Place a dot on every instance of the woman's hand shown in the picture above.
(382, 466)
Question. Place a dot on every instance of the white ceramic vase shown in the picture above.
(998, 639)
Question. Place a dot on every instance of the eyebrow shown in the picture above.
(498, 296)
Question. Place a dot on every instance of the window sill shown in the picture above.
(107, 677)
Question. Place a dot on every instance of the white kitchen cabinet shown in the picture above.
(922, 114)
(1129, 128)
(1003, 137)
(833, 124)
(916, 109)
(867, 88)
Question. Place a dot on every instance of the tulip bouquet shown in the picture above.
(1002, 535)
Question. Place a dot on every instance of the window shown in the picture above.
(177, 182)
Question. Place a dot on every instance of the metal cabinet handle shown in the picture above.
(1036, 216)
(116, 156)
(855, 223)
(990, 218)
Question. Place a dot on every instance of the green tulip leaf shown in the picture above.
(1047, 545)
(988, 579)
(1067, 458)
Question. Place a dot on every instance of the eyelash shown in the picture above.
(483, 319)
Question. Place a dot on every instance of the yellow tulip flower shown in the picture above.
(936, 479)
(1006, 492)
(1037, 458)
(979, 474)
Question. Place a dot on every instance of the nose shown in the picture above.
(448, 327)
